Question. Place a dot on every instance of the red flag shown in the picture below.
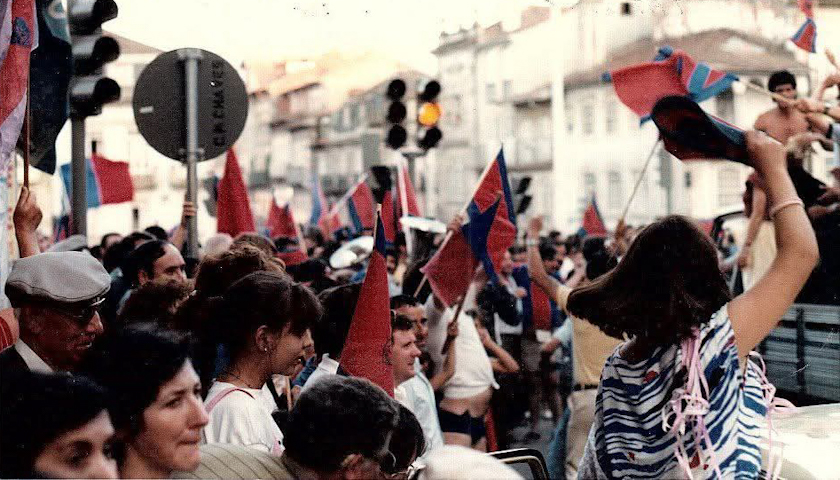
(593, 224)
(807, 7)
(233, 207)
(406, 194)
(672, 72)
(490, 231)
(19, 35)
(114, 179)
(366, 351)
(281, 222)
(806, 37)
(361, 207)
(389, 219)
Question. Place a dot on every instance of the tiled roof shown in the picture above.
(724, 49)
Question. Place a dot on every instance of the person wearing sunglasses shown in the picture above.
(57, 295)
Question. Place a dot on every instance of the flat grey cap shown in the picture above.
(57, 277)
(73, 243)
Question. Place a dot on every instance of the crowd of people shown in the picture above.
(126, 360)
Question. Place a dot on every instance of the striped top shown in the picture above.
(628, 440)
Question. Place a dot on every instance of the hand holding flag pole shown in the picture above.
(450, 338)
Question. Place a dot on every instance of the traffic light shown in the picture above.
(396, 135)
(428, 116)
(89, 88)
(521, 199)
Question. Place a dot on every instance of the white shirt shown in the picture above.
(327, 366)
(241, 419)
(419, 397)
(33, 361)
(473, 371)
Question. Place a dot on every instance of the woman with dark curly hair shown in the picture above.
(680, 397)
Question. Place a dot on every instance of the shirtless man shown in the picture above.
(785, 120)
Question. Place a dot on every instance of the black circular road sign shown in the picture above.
(159, 105)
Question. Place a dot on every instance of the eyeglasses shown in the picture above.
(79, 315)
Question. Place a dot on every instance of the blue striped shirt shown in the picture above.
(627, 439)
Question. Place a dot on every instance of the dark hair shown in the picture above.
(573, 243)
(309, 270)
(401, 323)
(158, 232)
(336, 417)
(403, 300)
(413, 277)
(264, 298)
(782, 77)
(104, 241)
(37, 409)
(133, 364)
(598, 259)
(117, 255)
(155, 302)
(547, 251)
(260, 241)
(667, 284)
(407, 443)
(330, 331)
(143, 259)
(216, 273)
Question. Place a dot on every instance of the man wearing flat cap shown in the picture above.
(56, 296)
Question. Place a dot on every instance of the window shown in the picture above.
(491, 92)
(615, 195)
(611, 116)
(506, 90)
(626, 8)
(587, 119)
(452, 112)
(729, 187)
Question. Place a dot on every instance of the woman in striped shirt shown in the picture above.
(680, 398)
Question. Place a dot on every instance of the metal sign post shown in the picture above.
(193, 154)
(190, 105)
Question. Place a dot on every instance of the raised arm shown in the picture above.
(26, 218)
(536, 269)
(757, 311)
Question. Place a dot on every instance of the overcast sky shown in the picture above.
(276, 29)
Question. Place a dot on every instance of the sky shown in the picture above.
(276, 29)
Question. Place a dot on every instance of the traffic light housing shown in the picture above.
(521, 199)
(396, 134)
(428, 116)
(89, 88)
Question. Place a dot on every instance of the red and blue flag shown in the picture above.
(107, 181)
(19, 34)
(491, 230)
(593, 223)
(322, 216)
(806, 37)
(366, 351)
(361, 207)
(690, 133)
(672, 72)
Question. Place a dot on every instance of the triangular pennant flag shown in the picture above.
(593, 223)
(366, 351)
(233, 211)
